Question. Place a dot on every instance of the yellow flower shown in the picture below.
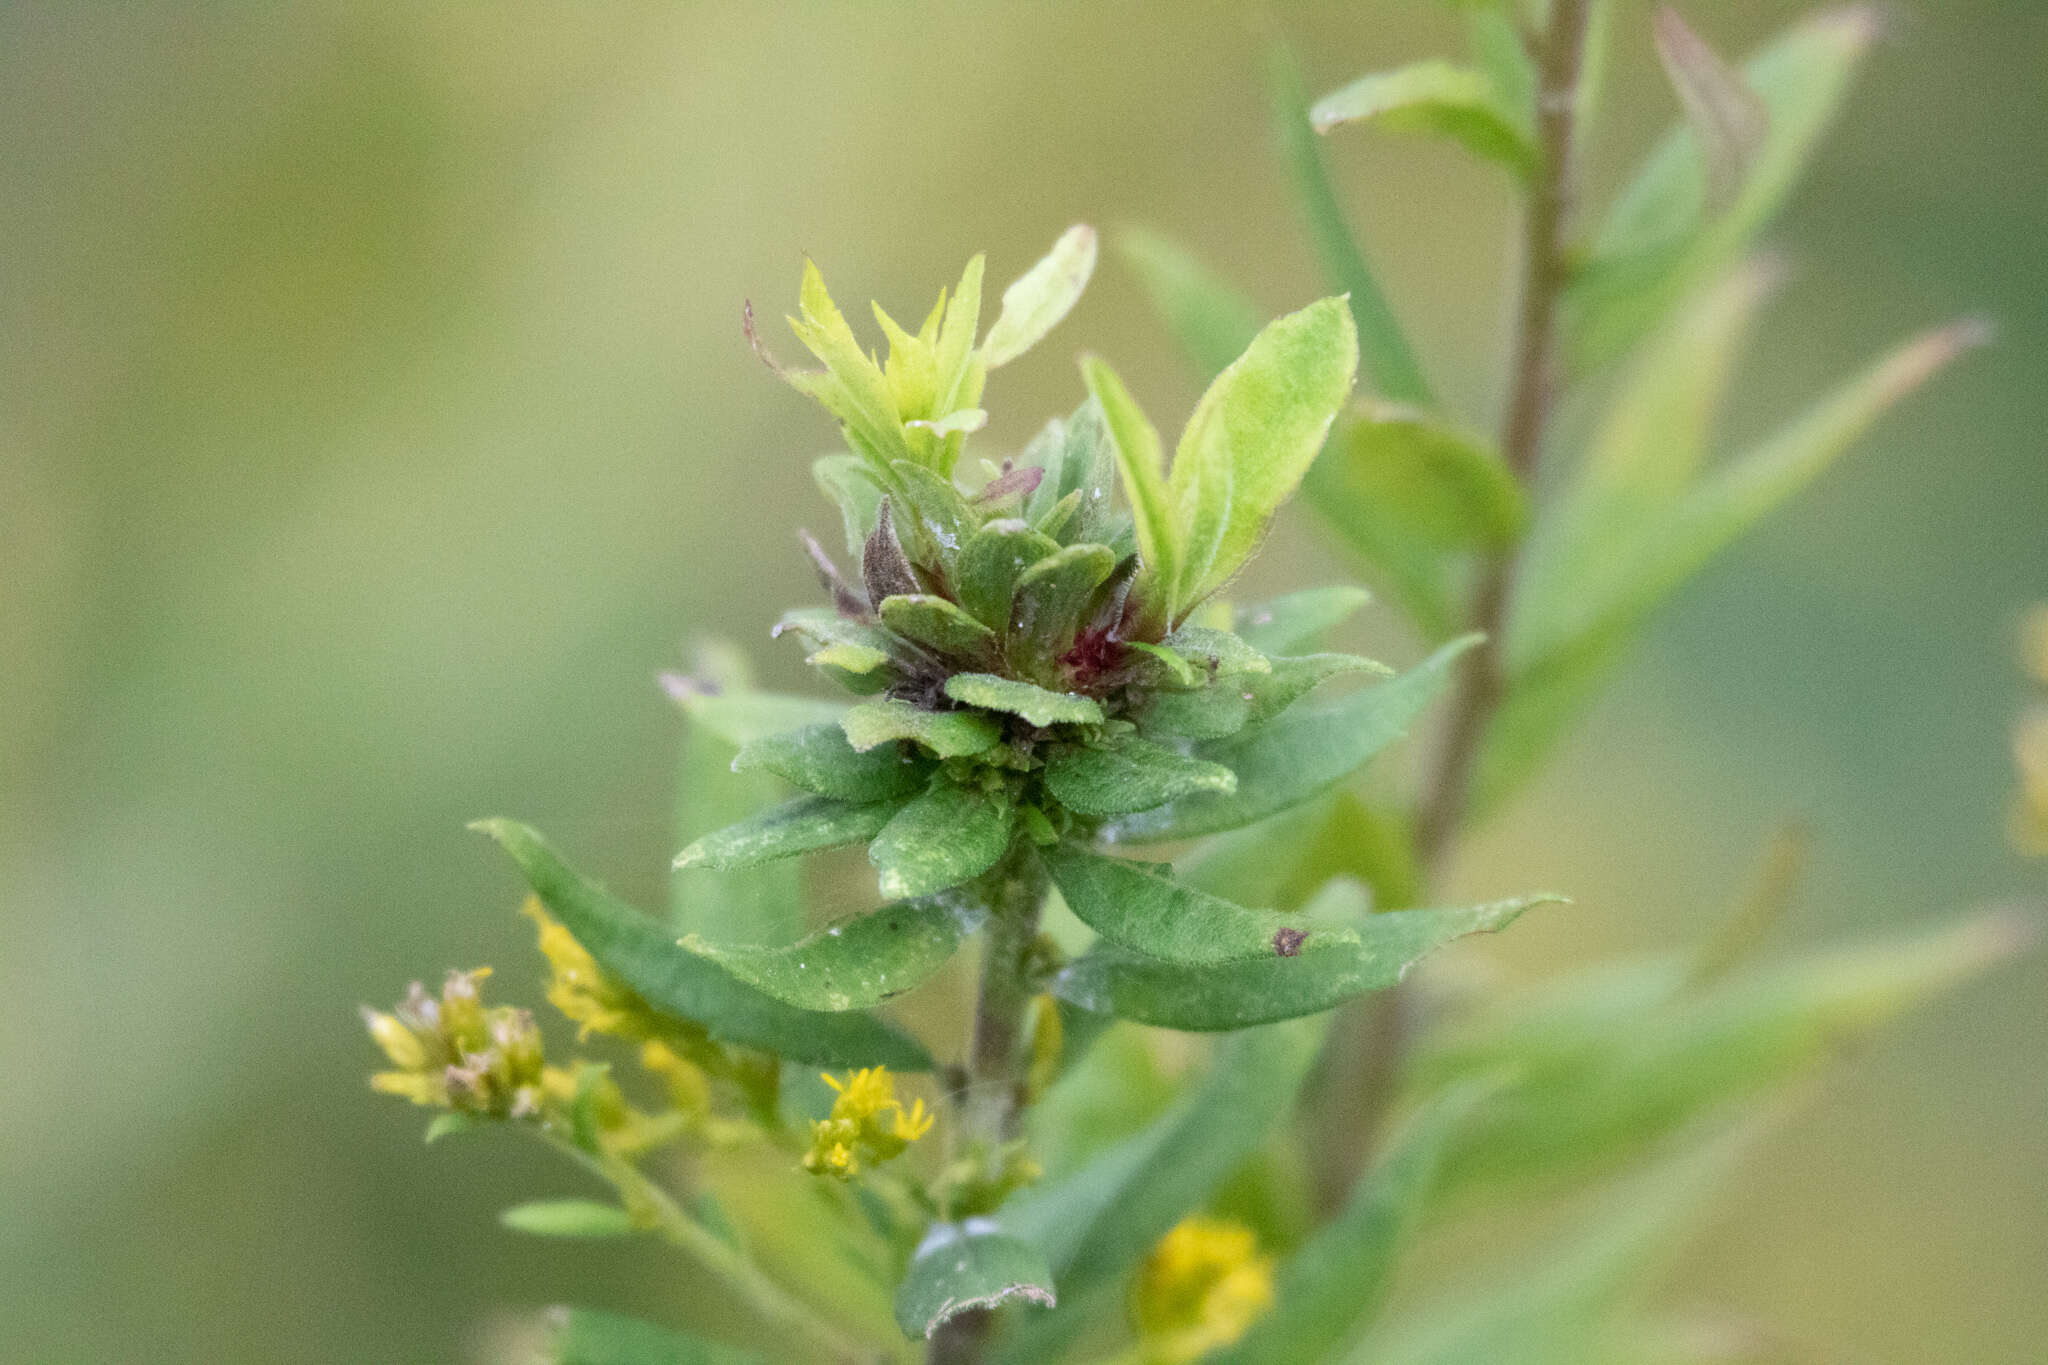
(451, 1052)
(594, 999)
(1203, 1287)
(867, 1122)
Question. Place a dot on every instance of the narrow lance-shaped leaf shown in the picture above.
(1388, 360)
(936, 624)
(1302, 753)
(940, 839)
(1297, 977)
(1099, 1222)
(1333, 1287)
(641, 953)
(855, 963)
(964, 1266)
(852, 388)
(1038, 705)
(1253, 436)
(805, 825)
(1727, 119)
(1212, 321)
(819, 759)
(589, 1337)
(1140, 461)
(1433, 96)
(1299, 620)
(1143, 909)
(1041, 296)
(947, 734)
(1130, 774)
(569, 1218)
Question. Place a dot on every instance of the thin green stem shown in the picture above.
(645, 1199)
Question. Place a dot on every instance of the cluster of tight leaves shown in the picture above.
(1044, 670)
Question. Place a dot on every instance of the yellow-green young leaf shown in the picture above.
(1212, 321)
(1138, 906)
(1610, 1062)
(805, 825)
(1657, 246)
(960, 368)
(1561, 1306)
(1298, 621)
(990, 564)
(1295, 977)
(589, 1337)
(1128, 774)
(1728, 121)
(1253, 436)
(641, 953)
(1389, 361)
(1140, 461)
(1333, 1287)
(569, 1218)
(946, 734)
(940, 839)
(1434, 96)
(853, 388)
(1038, 705)
(1297, 756)
(1097, 1223)
(963, 1266)
(856, 962)
(819, 759)
(937, 624)
(1440, 485)
(1041, 296)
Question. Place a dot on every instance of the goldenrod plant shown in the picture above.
(1059, 736)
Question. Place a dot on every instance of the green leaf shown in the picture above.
(1219, 653)
(1727, 119)
(1415, 574)
(1433, 96)
(1298, 755)
(940, 517)
(1041, 296)
(1573, 628)
(947, 734)
(940, 839)
(990, 564)
(1612, 1061)
(589, 1337)
(937, 624)
(1212, 322)
(1287, 625)
(852, 388)
(1129, 774)
(1294, 678)
(640, 952)
(1100, 1221)
(1333, 1287)
(837, 642)
(448, 1125)
(1038, 705)
(1051, 598)
(1559, 1307)
(1252, 437)
(1388, 360)
(1220, 707)
(1322, 971)
(819, 759)
(756, 905)
(857, 962)
(1140, 461)
(1139, 907)
(805, 825)
(848, 482)
(963, 1266)
(1654, 250)
(1444, 486)
(569, 1218)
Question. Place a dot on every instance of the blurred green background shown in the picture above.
(378, 422)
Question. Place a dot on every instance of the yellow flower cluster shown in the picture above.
(2029, 822)
(589, 996)
(453, 1053)
(1203, 1287)
(867, 1123)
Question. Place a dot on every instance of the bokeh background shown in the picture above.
(377, 423)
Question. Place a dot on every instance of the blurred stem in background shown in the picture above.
(1366, 1061)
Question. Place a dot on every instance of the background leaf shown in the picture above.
(819, 759)
(961, 1266)
(569, 1218)
(1041, 296)
(1434, 96)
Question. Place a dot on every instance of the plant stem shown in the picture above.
(990, 1097)
(1371, 1071)
(646, 1199)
